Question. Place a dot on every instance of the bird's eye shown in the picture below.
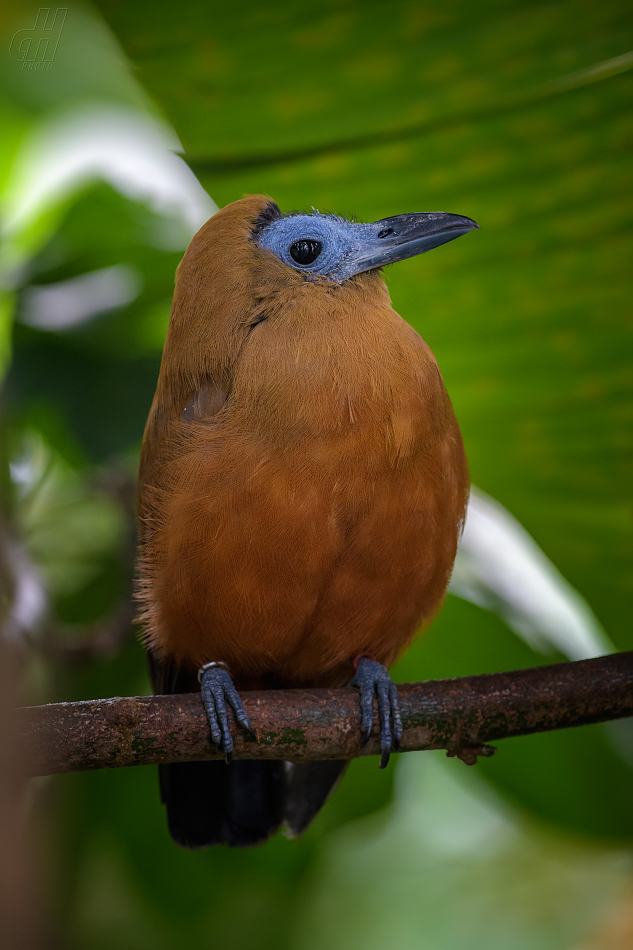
(305, 251)
(385, 233)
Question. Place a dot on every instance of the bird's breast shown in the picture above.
(315, 515)
(366, 388)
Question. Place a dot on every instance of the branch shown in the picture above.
(459, 715)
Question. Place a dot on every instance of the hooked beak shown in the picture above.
(404, 235)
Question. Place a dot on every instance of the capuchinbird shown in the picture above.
(302, 489)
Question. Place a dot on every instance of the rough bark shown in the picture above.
(459, 715)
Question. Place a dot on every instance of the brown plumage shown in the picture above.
(302, 482)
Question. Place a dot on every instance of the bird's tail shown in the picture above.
(209, 803)
(244, 803)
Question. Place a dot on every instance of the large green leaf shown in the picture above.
(496, 110)
(273, 80)
(519, 115)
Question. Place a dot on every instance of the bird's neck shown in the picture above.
(304, 361)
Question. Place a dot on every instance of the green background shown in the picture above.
(517, 114)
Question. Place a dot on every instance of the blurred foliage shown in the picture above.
(515, 113)
(531, 317)
(500, 111)
(518, 887)
(94, 383)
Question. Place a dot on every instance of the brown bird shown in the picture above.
(302, 489)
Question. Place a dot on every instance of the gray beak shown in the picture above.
(405, 235)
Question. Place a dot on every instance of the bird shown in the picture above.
(302, 488)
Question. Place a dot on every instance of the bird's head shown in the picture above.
(250, 263)
(250, 241)
(327, 246)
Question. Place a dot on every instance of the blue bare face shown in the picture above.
(327, 246)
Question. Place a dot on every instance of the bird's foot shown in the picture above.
(372, 677)
(216, 690)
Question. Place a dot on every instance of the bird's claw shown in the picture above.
(216, 690)
(372, 677)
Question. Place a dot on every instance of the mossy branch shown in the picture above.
(459, 715)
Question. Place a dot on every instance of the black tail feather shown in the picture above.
(209, 803)
(310, 784)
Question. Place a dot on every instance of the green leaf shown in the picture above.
(519, 115)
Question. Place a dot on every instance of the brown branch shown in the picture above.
(459, 715)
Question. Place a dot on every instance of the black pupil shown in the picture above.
(305, 252)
